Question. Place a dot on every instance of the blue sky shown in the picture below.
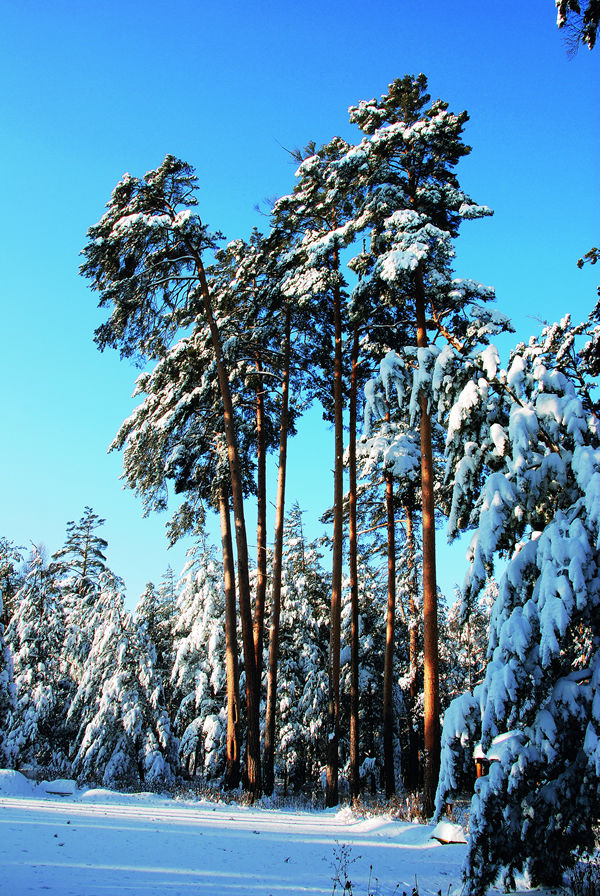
(94, 89)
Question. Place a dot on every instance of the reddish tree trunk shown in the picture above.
(430, 618)
(412, 770)
(331, 794)
(253, 768)
(388, 670)
(353, 563)
(261, 526)
(232, 771)
(269, 751)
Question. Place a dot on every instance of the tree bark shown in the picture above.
(412, 771)
(232, 771)
(261, 527)
(332, 793)
(388, 670)
(353, 563)
(430, 618)
(269, 750)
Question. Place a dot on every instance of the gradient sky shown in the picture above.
(92, 89)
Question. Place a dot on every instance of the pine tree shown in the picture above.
(415, 204)
(320, 212)
(145, 258)
(81, 558)
(79, 567)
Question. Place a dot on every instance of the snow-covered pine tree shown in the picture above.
(155, 612)
(35, 637)
(415, 206)
(198, 676)
(320, 213)
(538, 456)
(82, 558)
(124, 736)
(145, 258)
(78, 568)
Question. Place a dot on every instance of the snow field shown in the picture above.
(101, 843)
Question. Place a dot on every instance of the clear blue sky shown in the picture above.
(92, 89)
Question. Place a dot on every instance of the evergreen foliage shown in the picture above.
(35, 636)
(124, 737)
(302, 692)
(535, 479)
(198, 676)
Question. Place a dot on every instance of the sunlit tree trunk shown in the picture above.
(269, 751)
(253, 766)
(232, 771)
(411, 777)
(431, 708)
(353, 563)
(261, 526)
(331, 795)
(388, 670)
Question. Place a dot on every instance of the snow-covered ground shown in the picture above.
(100, 843)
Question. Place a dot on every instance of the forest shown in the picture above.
(276, 671)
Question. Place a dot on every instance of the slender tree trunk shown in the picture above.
(388, 671)
(232, 771)
(430, 613)
(261, 527)
(269, 751)
(331, 795)
(353, 562)
(253, 770)
(412, 771)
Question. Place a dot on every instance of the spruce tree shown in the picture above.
(35, 636)
(198, 676)
(155, 612)
(124, 738)
(535, 479)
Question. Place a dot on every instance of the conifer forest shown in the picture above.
(333, 669)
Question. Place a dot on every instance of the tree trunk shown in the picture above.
(331, 795)
(253, 770)
(232, 771)
(261, 527)
(430, 619)
(269, 751)
(412, 770)
(353, 563)
(388, 670)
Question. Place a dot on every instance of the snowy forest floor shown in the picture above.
(101, 843)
